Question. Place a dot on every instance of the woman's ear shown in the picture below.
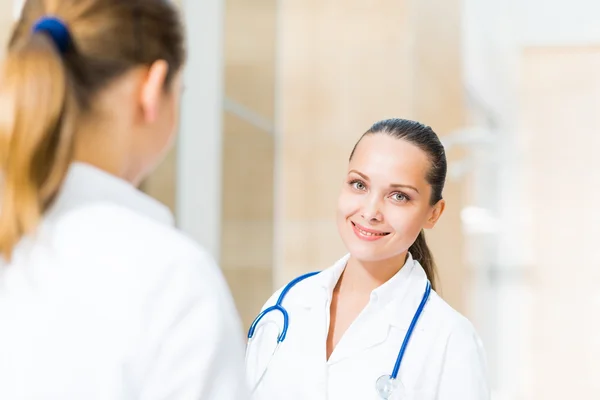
(153, 90)
(435, 213)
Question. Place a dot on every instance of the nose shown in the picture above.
(371, 210)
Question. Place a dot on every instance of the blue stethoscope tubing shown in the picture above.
(409, 333)
(286, 319)
(278, 307)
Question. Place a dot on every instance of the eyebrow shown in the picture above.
(394, 185)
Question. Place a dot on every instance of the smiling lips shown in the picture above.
(368, 235)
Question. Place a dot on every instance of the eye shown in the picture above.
(358, 185)
(400, 197)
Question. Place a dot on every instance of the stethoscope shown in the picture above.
(385, 384)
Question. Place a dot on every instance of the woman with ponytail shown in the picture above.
(371, 326)
(100, 296)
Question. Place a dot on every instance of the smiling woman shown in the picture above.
(397, 169)
(371, 326)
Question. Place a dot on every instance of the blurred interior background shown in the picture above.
(278, 91)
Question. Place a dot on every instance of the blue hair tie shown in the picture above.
(57, 30)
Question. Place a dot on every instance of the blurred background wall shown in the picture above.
(278, 91)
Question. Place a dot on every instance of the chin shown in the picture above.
(365, 251)
(372, 252)
(372, 256)
(366, 256)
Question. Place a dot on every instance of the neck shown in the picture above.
(366, 276)
(107, 148)
(104, 160)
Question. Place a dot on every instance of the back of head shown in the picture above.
(49, 80)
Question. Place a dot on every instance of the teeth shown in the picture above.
(369, 233)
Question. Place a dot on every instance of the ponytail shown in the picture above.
(420, 252)
(37, 112)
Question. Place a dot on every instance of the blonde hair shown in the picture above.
(43, 91)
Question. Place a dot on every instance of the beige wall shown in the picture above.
(248, 153)
(560, 99)
(6, 21)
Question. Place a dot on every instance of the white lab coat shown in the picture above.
(108, 301)
(444, 359)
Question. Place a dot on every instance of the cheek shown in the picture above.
(176, 110)
(348, 204)
(408, 221)
(173, 116)
(170, 122)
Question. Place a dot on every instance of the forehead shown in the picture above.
(390, 159)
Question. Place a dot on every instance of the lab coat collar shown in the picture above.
(392, 290)
(403, 297)
(406, 297)
(328, 278)
(86, 184)
(314, 291)
(393, 304)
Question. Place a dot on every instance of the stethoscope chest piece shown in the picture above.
(386, 386)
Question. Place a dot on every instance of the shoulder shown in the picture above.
(451, 325)
(303, 288)
(462, 355)
(129, 251)
(104, 224)
(295, 290)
